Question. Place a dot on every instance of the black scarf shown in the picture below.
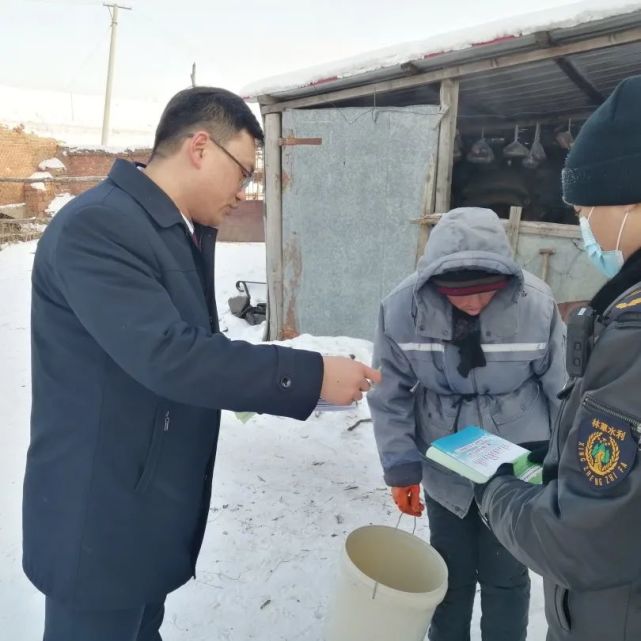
(466, 335)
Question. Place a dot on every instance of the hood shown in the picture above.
(467, 238)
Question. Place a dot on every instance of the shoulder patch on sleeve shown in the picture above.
(632, 302)
(606, 450)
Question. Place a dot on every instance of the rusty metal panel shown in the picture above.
(284, 142)
(348, 207)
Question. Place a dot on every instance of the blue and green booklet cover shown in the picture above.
(476, 454)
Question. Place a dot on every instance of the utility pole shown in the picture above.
(113, 10)
(193, 75)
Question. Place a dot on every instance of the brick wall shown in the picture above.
(37, 197)
(20, 154)
(92, 162)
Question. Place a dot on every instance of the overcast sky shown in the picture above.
(63, 44)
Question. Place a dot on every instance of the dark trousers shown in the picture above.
(137, 624)
(473, 555)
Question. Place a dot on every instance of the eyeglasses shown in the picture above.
(248, 176)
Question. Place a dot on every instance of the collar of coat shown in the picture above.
(145, 192)
(627, 280)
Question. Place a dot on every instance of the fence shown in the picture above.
(20, 229)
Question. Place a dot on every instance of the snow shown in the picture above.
(285, 496)
(564, 16)
(51, 163)
(15, 210)
(76, 119)
(108, 149)
(38, 186)
(58, 203)
(41, 175)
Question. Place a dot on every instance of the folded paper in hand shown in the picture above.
(321, 406)
(324, 406)
(476, 454)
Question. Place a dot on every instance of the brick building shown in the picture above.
(20, 155)
(24, 155)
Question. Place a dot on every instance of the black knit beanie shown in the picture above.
(604, 164)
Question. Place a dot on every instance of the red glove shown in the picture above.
(407, 499)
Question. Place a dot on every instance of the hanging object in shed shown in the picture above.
(515, 149)
(481, 153)
(537, 154)
(530, 162)
(565, 139)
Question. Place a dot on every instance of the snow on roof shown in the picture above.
(51, 163)
(564, 17)
(106, 149)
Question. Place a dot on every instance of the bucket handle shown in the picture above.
(396, 528)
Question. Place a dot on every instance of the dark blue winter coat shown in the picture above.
(129, 375)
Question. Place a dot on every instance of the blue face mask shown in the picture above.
(609, 262)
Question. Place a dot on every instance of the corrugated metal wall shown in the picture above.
(348, 206)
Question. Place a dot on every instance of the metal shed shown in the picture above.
(359, 162)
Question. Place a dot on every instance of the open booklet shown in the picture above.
(321, 406)
(476, 454)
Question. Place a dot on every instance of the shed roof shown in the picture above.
(537, 89)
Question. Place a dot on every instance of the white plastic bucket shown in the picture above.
(389, 584)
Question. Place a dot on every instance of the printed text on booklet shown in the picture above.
(477, 454)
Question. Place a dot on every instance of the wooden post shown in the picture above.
(273, 226)
(513, 227)
(428, 208)
(438, 185)
(447, 132)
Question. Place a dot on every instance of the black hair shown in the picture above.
(216, 110)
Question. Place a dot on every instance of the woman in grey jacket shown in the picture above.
(469, 339)
(581, 530)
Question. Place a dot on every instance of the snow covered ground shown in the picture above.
(285, 493)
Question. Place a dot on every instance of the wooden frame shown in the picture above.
(438, 187)
(529, 227)
(273, 226)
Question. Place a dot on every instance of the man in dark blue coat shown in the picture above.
(130, 373)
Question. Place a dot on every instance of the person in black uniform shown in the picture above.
(581, 529)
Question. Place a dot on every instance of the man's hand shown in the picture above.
(407, 499)
(345, 380)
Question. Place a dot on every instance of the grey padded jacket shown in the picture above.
(423, 396)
